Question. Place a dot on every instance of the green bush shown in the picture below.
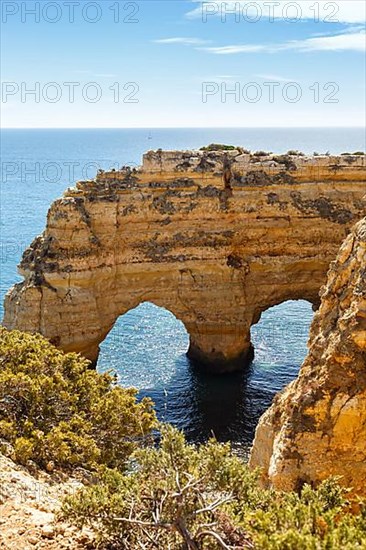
(295, 153)
(180, 496)
(218, 147)
(55, 409)
(261, 154)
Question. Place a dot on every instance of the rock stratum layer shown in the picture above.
(317, 426)
(214, 237)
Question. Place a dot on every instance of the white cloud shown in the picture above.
(340, 42)
(342, 11)
(181, 40)
(236, 48)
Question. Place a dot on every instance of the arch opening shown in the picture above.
(144, 346)
(230, 406)
(148, 349)
(280, 342)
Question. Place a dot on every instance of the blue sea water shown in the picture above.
(147, 346)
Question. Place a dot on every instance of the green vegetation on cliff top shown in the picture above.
(218, 147)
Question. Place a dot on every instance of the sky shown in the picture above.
(182, 63)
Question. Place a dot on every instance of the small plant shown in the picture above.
(349, 159)
(359, 153)
(295, 153)
(261, 154)
(287, 161)
(178, 496)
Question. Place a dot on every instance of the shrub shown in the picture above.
(261, 154)
(180, 496)
(218, 147)
(173, 496)
(295, 153)
(287, 161)
(53, 407)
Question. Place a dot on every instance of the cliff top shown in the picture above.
(233, 167)
(208, 158)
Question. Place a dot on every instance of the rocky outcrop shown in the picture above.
(317, 426)
(215, 237)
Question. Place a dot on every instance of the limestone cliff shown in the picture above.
(214, 237)
(317, 426)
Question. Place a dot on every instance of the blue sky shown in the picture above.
(174, 62)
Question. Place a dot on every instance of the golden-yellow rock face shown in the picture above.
(216, 238)
(317, 426)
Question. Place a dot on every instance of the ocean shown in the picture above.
(147, 346)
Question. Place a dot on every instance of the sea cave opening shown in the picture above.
(280, 343)
(147, 349)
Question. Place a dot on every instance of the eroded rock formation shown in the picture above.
(214, 237)
(317, 426)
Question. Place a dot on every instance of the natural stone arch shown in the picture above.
(87, 320)
(219, 337)
(173, 234)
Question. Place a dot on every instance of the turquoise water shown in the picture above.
(147, 346)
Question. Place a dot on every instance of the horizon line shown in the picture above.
(172, 127)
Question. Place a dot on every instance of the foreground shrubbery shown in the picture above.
(182, 497)
(55, 410)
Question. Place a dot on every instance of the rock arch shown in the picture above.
(173, 234)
